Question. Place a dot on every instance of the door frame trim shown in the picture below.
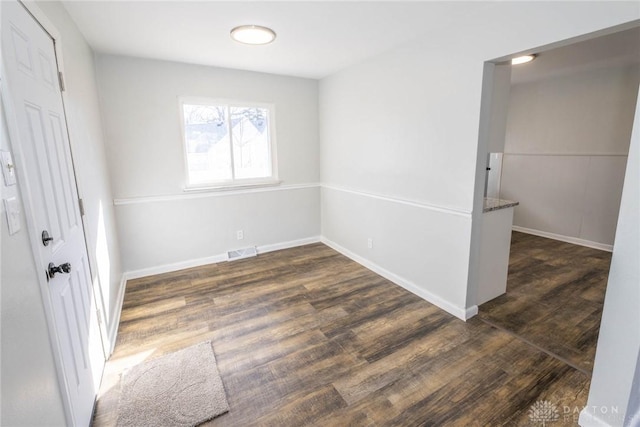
(26, 196)
(483, 142)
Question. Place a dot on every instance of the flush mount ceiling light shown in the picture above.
(523, 59)
(253, 34)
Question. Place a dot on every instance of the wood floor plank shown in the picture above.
(555, 294)
(368, 313)
(305, 336)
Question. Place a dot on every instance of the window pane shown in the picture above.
(251, 145)
(207, 140)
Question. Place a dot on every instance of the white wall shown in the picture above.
(28, 369)
(397, 228)
(565, 152)
(404, 125)
(617, 359)
(499, 107)
(139, 100)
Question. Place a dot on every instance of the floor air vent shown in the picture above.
(242, 253)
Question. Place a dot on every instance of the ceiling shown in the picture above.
(314, 38)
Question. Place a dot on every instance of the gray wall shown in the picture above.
(616, 361)
(566, 149)
(139, 101)
(402, 129)
(499, 107)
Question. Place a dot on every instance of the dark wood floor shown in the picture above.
(555, 294)
(305, 336)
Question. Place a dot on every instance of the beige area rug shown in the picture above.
(180, 389)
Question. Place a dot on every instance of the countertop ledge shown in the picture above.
(491, 204)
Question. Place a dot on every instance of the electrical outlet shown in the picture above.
(240, 234)
(370, 243)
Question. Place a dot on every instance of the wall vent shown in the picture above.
(242, 253)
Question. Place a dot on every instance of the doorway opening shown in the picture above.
(560, 134)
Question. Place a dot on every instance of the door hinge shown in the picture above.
(81, 206)
(61, 80)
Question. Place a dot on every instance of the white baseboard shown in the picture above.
(115, 321)
(567, 239)
(459, 312)
(287, 245)
(176, 266)
(470, 312)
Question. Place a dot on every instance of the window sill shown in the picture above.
(231, 187)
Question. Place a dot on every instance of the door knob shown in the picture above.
(62, 268)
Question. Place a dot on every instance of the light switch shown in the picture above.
(8, 168)
(12, 207)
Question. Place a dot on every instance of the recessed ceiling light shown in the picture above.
(522, 59)
(253, 34)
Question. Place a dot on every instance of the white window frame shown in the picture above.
(230, 184)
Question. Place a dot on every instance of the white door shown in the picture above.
(42, 153)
